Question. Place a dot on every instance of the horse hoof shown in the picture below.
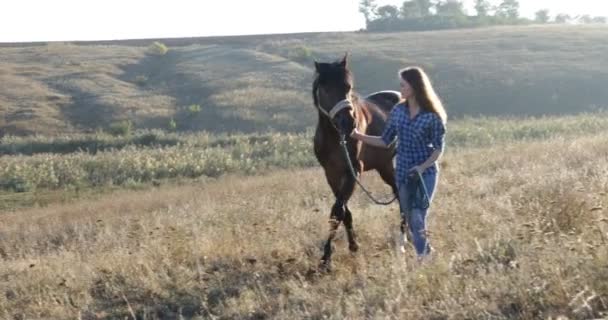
(324, 266)
(353, 247)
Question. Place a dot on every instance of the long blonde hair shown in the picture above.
(423, 91)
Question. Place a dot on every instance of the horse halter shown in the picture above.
(341, 105)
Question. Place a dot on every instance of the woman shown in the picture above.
(418, 123)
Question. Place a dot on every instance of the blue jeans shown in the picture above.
(416, 217)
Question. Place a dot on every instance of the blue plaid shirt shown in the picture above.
(417, 138)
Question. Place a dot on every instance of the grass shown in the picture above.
(130, 165)
(486, 131)
(259, 84)
(90, 161)
(520, 230)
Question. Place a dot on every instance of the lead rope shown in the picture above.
(352, 171)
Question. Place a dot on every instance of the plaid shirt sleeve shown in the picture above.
(390, 130)
(437, 133)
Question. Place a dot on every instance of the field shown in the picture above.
(176, 180)
(519, 225)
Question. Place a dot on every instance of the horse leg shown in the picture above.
(335, 181)
(348, 187)
(343, 187)
(348, 223)
(336, 217)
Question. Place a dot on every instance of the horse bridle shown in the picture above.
(341, 105)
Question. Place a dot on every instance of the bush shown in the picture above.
(141, 80)
(172, 126)
(294, 50)
(437, 22)
(197, 155)
(121, 128)
(158, 49)
(17, 184)
(194, 109)
(300, 54)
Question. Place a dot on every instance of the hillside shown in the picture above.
(262, 83)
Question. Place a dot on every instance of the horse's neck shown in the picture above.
(326, 129)
(362, 115)
(325, 125)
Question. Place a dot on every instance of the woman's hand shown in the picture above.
(420, 169)
(375, 141)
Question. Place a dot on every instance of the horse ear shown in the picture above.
(344, 62)
(317, 66)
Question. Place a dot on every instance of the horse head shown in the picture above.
(333, 96)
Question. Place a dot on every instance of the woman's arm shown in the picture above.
(385, 140)
(437, 139)
(431, 160)
(375, 141)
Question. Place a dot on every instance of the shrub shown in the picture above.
(194, 109)
(121, 128)
(300, 54)
(172, 126)
(17, 184)
(141, 80)
(158, 49)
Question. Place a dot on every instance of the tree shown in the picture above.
(425, 7)
(542, 16)
(586, 19)
(508, 9)
(602, 20)
(368, 8)
(450, 8)
(562, 18)
(410, 9)
(482, 7)
(388, 12)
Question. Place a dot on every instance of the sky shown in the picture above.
(67, 20)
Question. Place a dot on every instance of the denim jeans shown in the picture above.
(416, 217)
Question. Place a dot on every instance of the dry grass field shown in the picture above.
(105, 214)
(520, 232)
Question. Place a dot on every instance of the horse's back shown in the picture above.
(385, 100)
(379, 105)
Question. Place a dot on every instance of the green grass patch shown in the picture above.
(104, 160)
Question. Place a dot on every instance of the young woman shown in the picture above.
(418, 124)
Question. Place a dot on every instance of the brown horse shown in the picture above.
(340, 111)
